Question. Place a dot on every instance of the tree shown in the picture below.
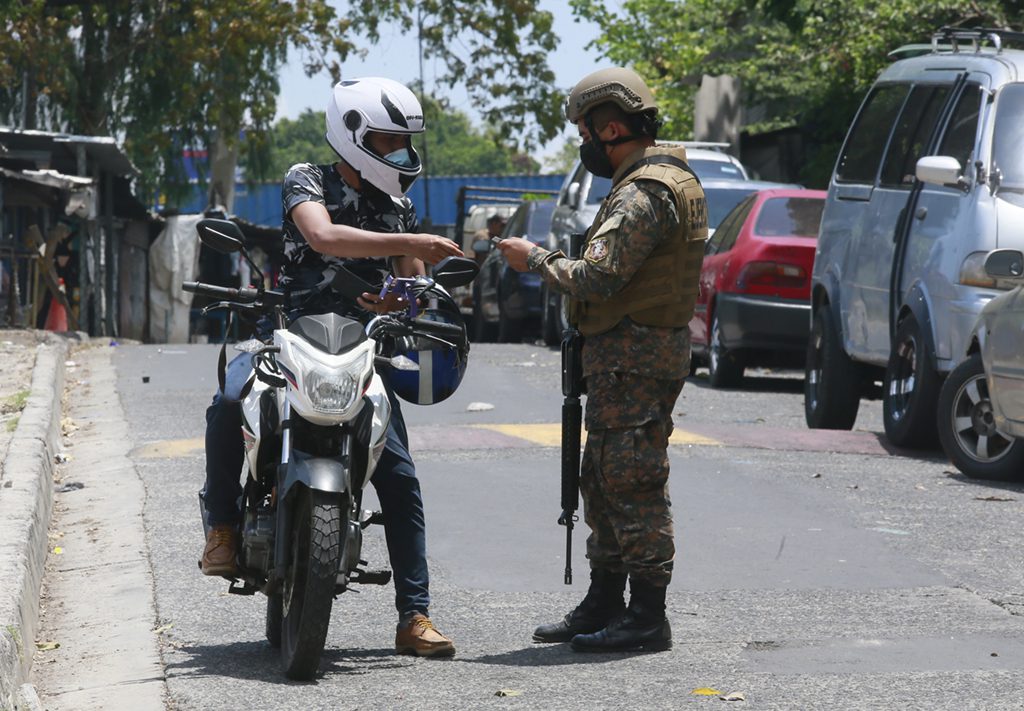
(179, 73)
(562, 160)
(807, 63)
(454, 145)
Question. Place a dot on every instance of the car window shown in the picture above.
(1009, 137)
(721, 201)
(963, 126)
(517, 225)
(731, 230)
(862, 152)
(912, 134)
(706, 169)
(599, 188)
(789, 217)
(539, 222)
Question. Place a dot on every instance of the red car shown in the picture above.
(754, 296)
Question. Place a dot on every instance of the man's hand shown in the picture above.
(515, 250)
(433, 248)
(390, 302)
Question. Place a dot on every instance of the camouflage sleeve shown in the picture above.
(643, 215)
(304, 182)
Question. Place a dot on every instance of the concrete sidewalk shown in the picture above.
(26, 500)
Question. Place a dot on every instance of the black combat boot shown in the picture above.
(642, 628)
(604, 602)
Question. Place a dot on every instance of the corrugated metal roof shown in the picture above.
(104, 150)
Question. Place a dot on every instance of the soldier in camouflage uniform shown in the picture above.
(631, 295)
(351, 213)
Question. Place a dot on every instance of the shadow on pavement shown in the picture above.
(753, 384)
(251, 661)
(543, 655)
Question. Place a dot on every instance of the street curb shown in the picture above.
(26, 501)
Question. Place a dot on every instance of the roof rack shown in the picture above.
(976, 36)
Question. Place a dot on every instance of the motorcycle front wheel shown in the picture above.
(317, 547)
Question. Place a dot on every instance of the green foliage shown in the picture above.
(453, 145)
(564, 158)
(803, 62)
(166, 75)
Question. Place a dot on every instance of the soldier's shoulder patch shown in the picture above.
(597, 250)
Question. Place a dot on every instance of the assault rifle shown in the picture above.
(572, 421)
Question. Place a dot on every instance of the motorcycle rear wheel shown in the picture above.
(317, 546)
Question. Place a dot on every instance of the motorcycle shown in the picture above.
(315, 413)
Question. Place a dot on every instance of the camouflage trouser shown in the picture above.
(624, 475)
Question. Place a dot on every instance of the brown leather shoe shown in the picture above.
(419, 637)
(220, 551)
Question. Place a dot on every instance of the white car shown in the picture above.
(981, 404)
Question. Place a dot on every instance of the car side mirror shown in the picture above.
(222, 236)
(1005, 263)
(572, 197)
(941, 170)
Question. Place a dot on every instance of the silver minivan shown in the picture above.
(928, 181)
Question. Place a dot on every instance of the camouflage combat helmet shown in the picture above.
(619, 85)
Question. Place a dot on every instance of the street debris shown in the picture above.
(58, 550)
(164, 628)
(706, 691)
(994, 498)
(70, 486)
(816, 475)
(508, 692)
(47, 646)
(733, 696)
(60, 458)
(479, 407)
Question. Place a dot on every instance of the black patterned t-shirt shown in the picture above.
(305, 269)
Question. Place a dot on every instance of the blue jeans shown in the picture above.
(395, 480)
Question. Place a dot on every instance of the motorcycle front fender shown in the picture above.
(317, 473)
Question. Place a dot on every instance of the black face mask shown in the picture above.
(595, 159)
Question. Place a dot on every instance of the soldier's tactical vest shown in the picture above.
(663, 292)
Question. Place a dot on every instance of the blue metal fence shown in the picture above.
(261, 204)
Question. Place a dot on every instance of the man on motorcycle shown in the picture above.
(352, 213)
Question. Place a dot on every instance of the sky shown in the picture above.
(395, 57)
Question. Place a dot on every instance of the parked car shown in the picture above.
(926, 184)
(505, 301)
(981, 403)
(753, 299)
(580, 198)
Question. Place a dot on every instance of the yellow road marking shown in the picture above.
(550, 435)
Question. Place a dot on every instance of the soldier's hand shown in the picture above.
(516, 250)
(433, 248)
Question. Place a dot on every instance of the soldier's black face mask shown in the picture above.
(595, 159)
(593, 154)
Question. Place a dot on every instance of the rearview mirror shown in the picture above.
(455, 271)
(1005, 263)
(572, 197)
(223, 236)
(941, 170)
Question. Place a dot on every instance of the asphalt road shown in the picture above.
(814, 570)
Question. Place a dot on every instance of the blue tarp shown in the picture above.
(261, 204)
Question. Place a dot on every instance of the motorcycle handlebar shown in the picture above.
(245, 294)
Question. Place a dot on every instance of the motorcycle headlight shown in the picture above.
(333, 392)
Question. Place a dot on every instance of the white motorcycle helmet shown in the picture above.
(359, 106)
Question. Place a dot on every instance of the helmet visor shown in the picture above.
(394, 149)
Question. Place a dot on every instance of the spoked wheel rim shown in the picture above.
(904, 379)
(974, 425)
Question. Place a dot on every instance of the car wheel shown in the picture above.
(831, 380)
(725, 369)
(550, 319)
(967, 428)
(911, 390)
